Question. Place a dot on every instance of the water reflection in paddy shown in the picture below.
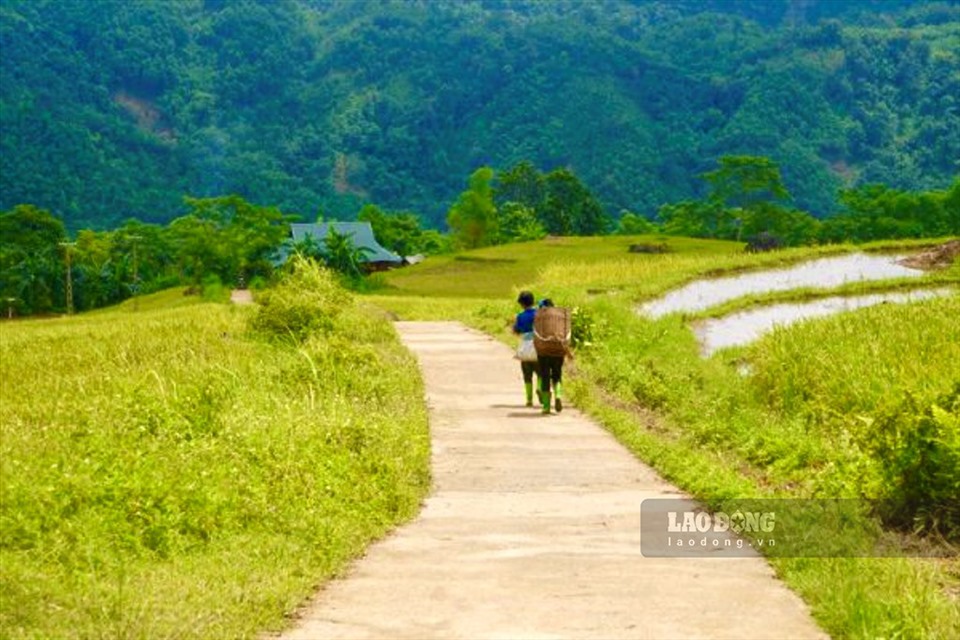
(823, 273)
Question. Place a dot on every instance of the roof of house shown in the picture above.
(360, 233)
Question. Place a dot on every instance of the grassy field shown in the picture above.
(192, 469)
(849, 406)
(172, 473)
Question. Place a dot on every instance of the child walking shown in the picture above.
(523, 326)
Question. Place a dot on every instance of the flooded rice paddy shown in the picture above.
(743, 327)
(823, 273)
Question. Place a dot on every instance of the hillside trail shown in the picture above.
(532, 531)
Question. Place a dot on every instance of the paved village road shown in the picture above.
(532, 530)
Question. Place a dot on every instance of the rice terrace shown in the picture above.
(475, 319)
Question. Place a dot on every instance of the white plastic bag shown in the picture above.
(526, 352)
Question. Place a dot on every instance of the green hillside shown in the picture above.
(114, 109)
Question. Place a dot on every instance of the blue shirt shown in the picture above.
(524, 323)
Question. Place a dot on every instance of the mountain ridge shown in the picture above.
(111, 110)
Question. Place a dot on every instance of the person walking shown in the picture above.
(526, 352)
(551, 338)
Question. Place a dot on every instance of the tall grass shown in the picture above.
(168, 473)
(859, 363)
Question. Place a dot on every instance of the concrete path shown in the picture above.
(532, 531)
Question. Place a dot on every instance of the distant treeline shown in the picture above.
(226, 241)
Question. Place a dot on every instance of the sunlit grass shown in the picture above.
(498, 271)
(166, 474)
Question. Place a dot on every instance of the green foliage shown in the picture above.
(745, 181)
(517, 223)
(212, 289)
(631, 224)
(229, 237)
(342, 255)
(920, 450)
(473, 217)
(875, 212)
(402, 232)
(697, 220)
(306, 302)
(586, 328)
(570, 208)
(30, 263)
(306, 104)
(532, 204)
(744, 204)
(522, 184)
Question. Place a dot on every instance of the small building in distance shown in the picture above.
(374, 258)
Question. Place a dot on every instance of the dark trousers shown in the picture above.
(528, 369)
(550, 369)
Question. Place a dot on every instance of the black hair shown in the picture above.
(546, 302)
(525, 298)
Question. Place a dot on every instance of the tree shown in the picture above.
(342, 255)
(743, 181)
(30, 267)
(749, 188)
(790, 228)
(519, 223)
(631, 224)
(523, 184)
(697, 219)
(400, 232)
(876, 211)
(145, 256)
(201, 248)
(228, 237)
(96, 280)
(570, 208)
(951, 208)
(473, 217)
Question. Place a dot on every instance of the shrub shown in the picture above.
(763, 241)
(920, 450)
(213, 289)
(583, 329)
(307, 301)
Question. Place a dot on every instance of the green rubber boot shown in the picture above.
(528, 389)
(545, 399)
(558, 403)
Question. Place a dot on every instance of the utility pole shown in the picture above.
(67, 246)
(136, 278)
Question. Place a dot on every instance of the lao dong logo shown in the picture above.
(720, 522)
(672, 527)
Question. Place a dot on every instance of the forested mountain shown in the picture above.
(111, 109)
